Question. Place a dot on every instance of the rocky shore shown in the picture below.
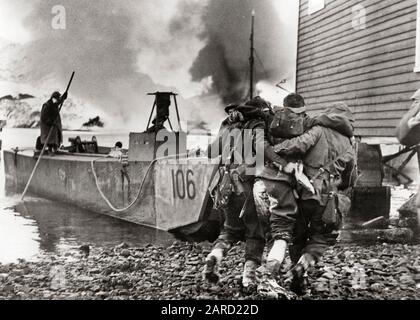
(384, 271)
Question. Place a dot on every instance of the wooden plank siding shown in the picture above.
(369, 69)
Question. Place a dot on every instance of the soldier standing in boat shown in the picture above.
(51, 120)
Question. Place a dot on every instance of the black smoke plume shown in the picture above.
(227, 33)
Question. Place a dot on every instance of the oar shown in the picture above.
(46, 143)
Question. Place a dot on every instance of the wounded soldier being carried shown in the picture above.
(302, 196)
(295, 198)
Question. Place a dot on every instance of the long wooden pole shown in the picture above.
(251, 59)
(45, 144)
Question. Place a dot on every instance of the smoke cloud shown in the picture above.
(227, 34)
(121, 50)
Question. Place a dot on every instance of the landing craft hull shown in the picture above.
(173, 196)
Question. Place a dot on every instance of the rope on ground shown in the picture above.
(92, 163)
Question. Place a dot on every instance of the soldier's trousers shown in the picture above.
(276, 203)
(249, 228)
(310, 235)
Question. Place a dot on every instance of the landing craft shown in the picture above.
(161, 187)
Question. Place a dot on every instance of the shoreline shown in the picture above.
(151, 272)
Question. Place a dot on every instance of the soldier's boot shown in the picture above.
(276, 256)
(213, 260)
(249, 277)
(299, 284)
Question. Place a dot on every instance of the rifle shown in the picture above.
(46, 141)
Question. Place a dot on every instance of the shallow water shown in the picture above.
(35, 225)
(39, 225)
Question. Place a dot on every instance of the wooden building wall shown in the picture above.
(369, 69)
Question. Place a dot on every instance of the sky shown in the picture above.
(122, 49)
(12, 14)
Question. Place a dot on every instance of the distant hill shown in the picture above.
(19, 97)
(23, 111)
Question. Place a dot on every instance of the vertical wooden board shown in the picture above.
(369, 203)
(181, 192)
(370, 166)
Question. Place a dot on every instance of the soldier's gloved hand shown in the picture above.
(290, 167)
(64, 96)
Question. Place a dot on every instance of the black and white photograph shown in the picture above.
(213, 155)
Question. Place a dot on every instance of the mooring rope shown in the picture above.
(16, 150)
(141, 185)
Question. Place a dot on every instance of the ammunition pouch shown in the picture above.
(336, 209)
(349, 176)
(221, 189)
(240, 180)
(225, 183)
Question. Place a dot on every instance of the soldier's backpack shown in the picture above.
(286, 124)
